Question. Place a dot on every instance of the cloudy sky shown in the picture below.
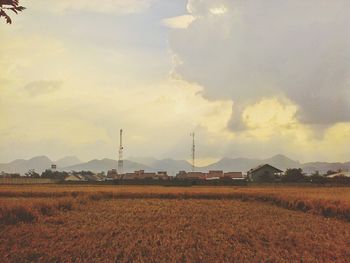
(251, 78)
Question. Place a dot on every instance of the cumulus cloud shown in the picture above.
(249, 50)
(207, 7)
(252, 74)
(179, 21)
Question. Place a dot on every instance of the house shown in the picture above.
(92, 177)
(75, 178)
(263, 173)
(84, 177)
(343, 174)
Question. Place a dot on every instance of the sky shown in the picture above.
(251, 79)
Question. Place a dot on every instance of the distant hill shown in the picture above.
(149, 161)
(282, 162)
(39, 164)
(229, 164)
(244, 164)
(226, 164)
(105, 165)
(170, 165)
(69, 163)
(323, 167)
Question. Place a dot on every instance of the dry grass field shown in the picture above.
(164, 224)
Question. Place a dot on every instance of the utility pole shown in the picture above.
(120, 160)
(193, 152)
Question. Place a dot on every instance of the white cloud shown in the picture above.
(220, 10)
(179, 21)
(230, 63)
(101, 6)
(207, 7)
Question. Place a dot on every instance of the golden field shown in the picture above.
(164, 224)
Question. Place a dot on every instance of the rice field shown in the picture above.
(159, 224)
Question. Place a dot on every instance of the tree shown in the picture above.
(54, 175)
(293, 175)
(83, 173)
(267, 177)
(32, 173)
(11, 5)
(318, 179)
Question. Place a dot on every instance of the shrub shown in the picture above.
(45, 209)
(65, 205)
(293, 175)
(17, 214)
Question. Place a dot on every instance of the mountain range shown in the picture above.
(72, 163)
(38, 163)
(244, 164)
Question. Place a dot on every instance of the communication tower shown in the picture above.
(120, 159)
(193, 152)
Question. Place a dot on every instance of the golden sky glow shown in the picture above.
(74, 73)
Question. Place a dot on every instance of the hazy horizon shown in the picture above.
(251, 79)
(140, 159)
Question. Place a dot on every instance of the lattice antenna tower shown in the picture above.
(193, 150)
(120, 157)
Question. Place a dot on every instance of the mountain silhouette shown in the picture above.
(244, 164)
(72, 163)
(21, 166)
(105, 165)
(67, 161)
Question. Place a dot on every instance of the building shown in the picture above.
(75, 178)
(93, 177)
(211, 175)
(141, 174)
(234, 175)
(181, 175)
(340, 174)
(113, 174)
(263, 173)
(84, 177)
(162, 175)
(191, 175)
